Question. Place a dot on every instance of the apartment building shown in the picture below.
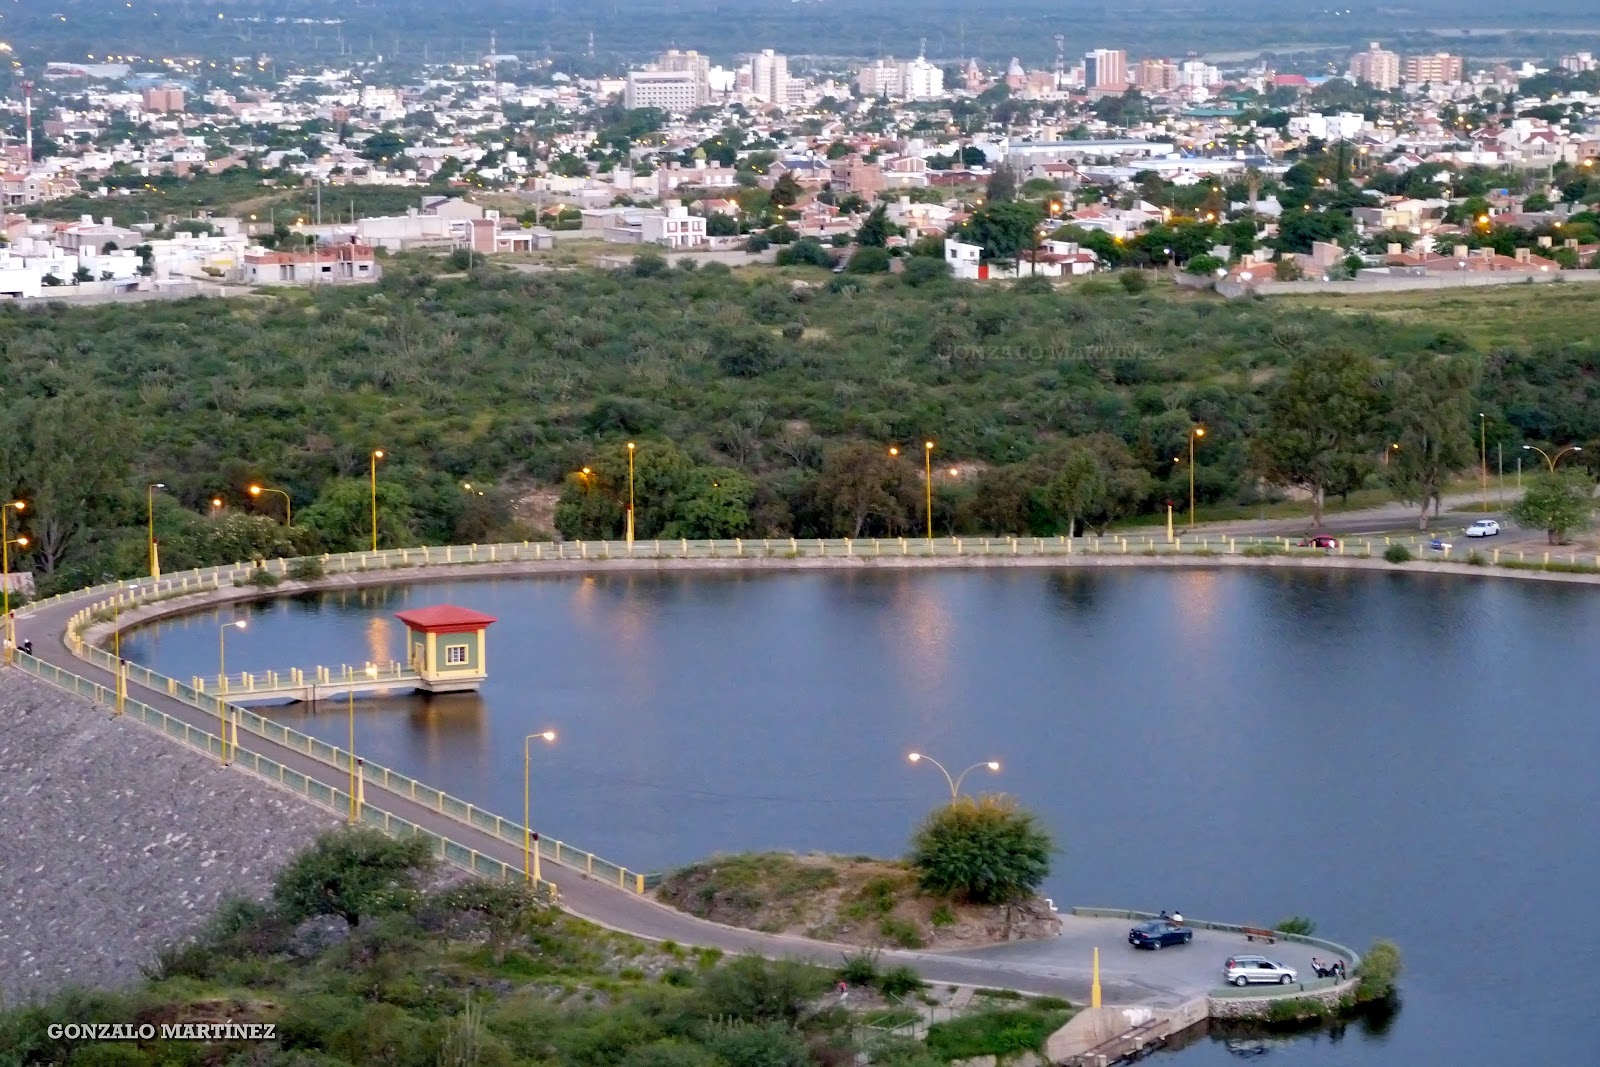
(1105, 68)
(769, 77)
(1440, 68)
(677, 91)
(1376, 67)
(1156, 75)
(914, 80)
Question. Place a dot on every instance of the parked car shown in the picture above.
(1159, 932)
(1439, 544)
(1320, 542)
(1251, 970)
(1483, 528)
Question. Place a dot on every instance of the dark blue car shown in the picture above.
(1159, 933)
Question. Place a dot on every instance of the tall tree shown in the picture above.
(1004, 229)
(72, 467)
(1318, 434)
(1001, 186)
(1078, 487)
(1557, 504)
(861, 488)
(1431, 434)
(876, 229)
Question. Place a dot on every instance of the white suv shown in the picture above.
(1483, 528)
(1244, 970)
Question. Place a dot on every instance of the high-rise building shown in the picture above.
(1195, 74)
(769, 76)
(1376, 67)
(1578, 62)
(1440, 68)
(690, 62)
(1155, 75)
(163, 99)
(1105, 68)
(914, 80)
(670, 90)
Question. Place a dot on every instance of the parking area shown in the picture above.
(1158, 978)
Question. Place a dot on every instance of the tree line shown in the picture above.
(762, 404)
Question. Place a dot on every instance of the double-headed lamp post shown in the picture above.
(222, 683)
(530, 855)
(954, 783)
(1194, 435)
(6, 541)
(1549, 460)
(150, 516)
(377, 454)
(288, 505)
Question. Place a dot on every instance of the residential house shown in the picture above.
(324, 265)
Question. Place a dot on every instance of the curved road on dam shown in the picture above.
(1061, 967)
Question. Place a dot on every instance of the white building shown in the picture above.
(963, 258)
(674, 227)
(678, 91)
(1340, 127)
(914, 80)
(769, 77)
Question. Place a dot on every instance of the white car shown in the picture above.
(1250, 970)
(1483, 528)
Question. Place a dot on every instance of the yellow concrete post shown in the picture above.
(1094, 989)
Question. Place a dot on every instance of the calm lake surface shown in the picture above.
(1393, 755)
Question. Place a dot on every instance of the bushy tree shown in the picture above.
(869, 260)
(353, 873)
(1379, 971)
(753, 990)
(1557, 504)
(341, 518)
(876, 229)
(806, 252)
(1431, 437)
(986, 850)
(1319, 427)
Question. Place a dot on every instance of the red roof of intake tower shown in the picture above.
(444, 619)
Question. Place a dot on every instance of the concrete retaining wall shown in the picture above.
(1330, 997)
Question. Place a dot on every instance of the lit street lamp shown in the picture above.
(6, 541)
(529, 853)
(955, 783)
(1551, 461)
(927, 463)
(377, 454)
(1194, 435)
(288, 505)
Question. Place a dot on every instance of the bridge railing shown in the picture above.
(325, 796)
(242, 719)
(303, 678)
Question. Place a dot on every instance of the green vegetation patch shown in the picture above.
(996, 1032)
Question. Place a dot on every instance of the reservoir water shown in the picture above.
(1393, 755)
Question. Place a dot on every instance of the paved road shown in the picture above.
(1060, 967)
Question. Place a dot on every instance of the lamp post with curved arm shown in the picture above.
(1549, 460)
(288, 505)
(954, 783)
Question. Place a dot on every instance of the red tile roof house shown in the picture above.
(1478, 260)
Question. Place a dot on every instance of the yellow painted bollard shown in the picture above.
(738, 546)
(1232, 545)
(1094, 988)
(685, 547)
(639, 884)
(1495, 555)
(1547, 558)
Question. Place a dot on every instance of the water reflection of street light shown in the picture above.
(954, 783)
(530, 872)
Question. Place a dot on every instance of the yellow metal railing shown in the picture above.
(320, 793)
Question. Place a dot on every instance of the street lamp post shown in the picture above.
(1483, 463)
(954, 783)
(630, 492)
(1194, 435)
(927, 453)
(288, 505)
(222, 683)
(355, 804)
(6, 541)
(1549, 460)
(530, 855)
(377, 454)
(150, 515)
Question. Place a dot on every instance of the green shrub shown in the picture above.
(1297, 924)
(860, 969)
(1261, 550)
(755, 990)
(307, 569)
(1397, 554)
(942, 916)
(987, 850)
(902, 932)
(1477, 559)
(262, 578)
(1134, 281)
(994, 1033)
(352, 873)
(1379, 971)
(1297, 1009)
(900, 982)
